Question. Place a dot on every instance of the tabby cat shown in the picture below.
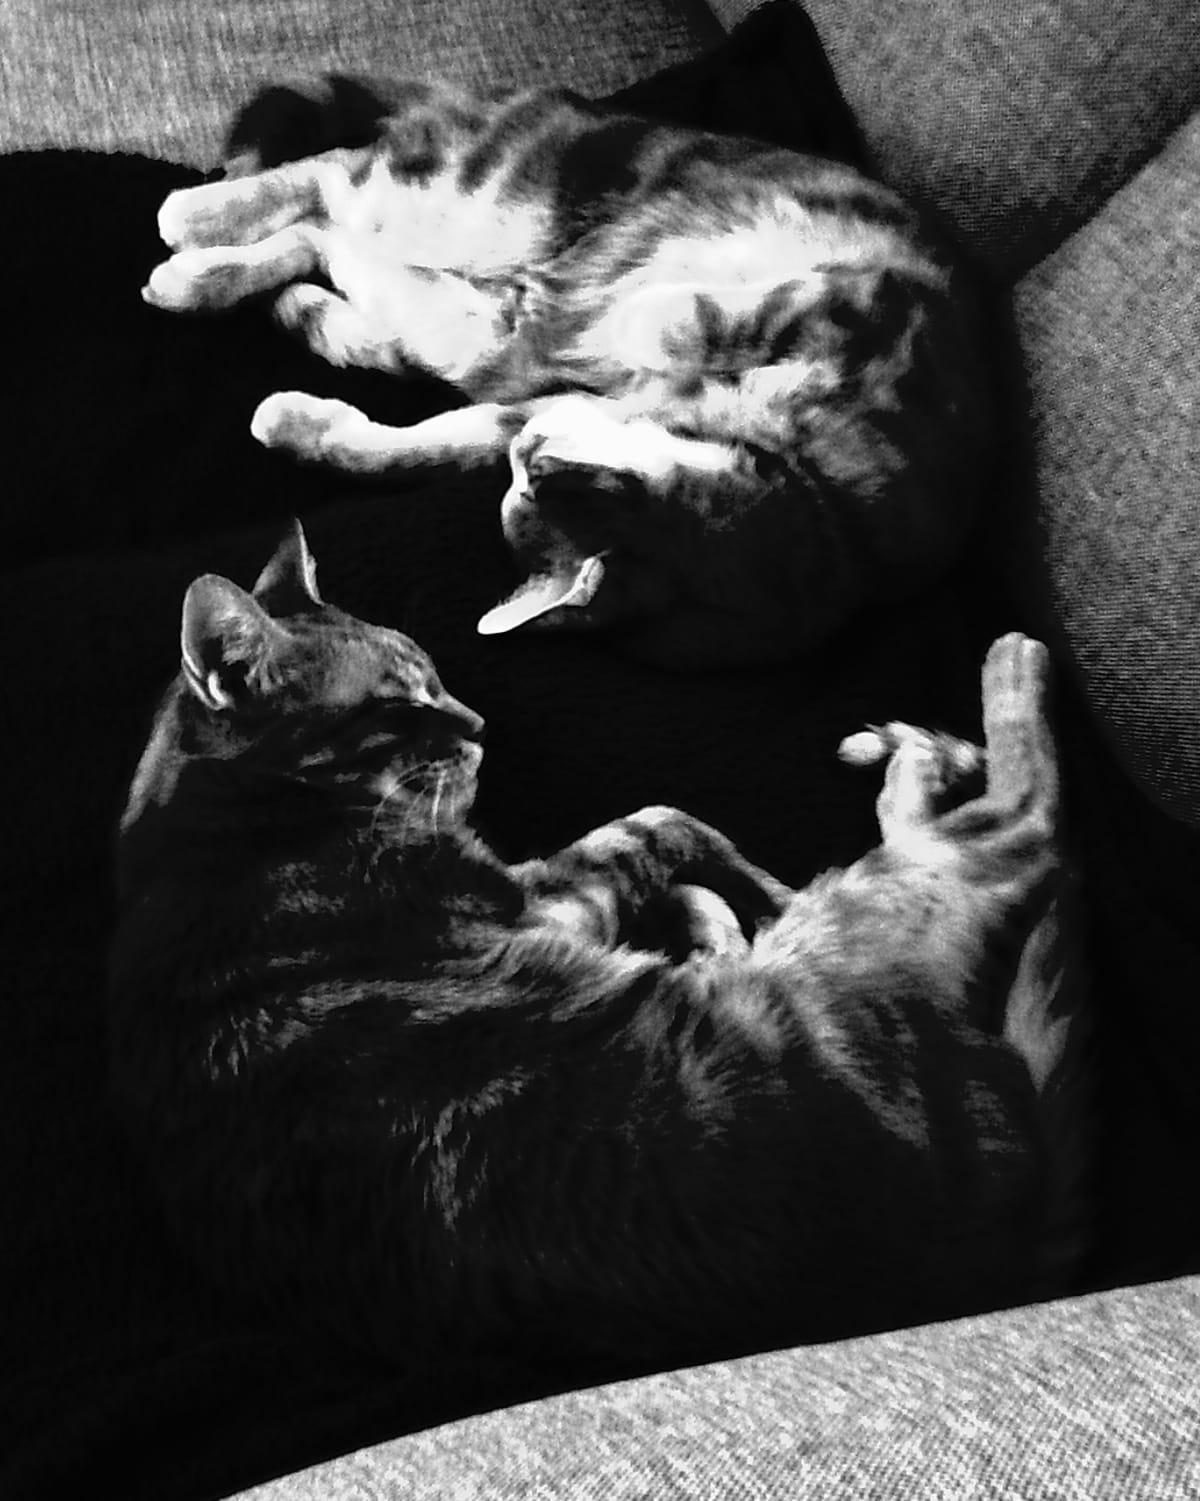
(741, 390)
(634, 1101)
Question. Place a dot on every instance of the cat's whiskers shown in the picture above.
(390, 786)
(438, 788)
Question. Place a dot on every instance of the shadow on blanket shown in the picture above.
(129, 469)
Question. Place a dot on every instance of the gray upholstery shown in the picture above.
(1109, 329)
(1017, 119)
(160, 76)
(1092, 1399)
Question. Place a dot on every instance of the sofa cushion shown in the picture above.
(1092, 1397)
(1017, 121)
(161, 76)
(1108, 329)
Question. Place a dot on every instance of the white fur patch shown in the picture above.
(385, 223)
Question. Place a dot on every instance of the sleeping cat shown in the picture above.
(741, 390)
(634, 1101)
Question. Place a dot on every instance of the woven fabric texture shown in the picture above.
(986, 1408)
(161, 76)
(1108, 326)
(1016, 120)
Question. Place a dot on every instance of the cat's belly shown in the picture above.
(382, 223)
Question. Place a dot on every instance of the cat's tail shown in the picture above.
(1047, 1023)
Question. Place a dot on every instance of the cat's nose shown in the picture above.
(467, 722)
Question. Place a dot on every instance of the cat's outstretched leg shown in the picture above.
(323, 430)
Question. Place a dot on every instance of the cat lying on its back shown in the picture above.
(741, 389)
(636, 1099)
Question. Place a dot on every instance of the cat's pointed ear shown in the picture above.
(227, 641)
(571, 587)
(288, 584)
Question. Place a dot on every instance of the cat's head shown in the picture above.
(295, 690)
(579, 537)
(614, 534)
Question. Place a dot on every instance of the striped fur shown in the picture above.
(742, 390)
(635, 1100)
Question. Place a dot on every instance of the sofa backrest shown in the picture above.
(1016, 119)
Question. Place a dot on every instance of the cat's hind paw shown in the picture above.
(314, 428)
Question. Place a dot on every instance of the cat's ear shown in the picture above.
(227, 641)
(288, 584)
(570, 587)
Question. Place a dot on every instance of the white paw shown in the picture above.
(215, 213)
(576, 428)
(193, 216)
(308, 426)
(589, 431)
(300, 306)
(954, 758)
(197, 279)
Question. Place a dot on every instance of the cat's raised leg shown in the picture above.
(1019, 809)
(323, 430)
(626, 880)
(929, 796)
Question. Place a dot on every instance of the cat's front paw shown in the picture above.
(198, 281)
(310, 427)
(927, 772)
(214, 213)
(708, 926)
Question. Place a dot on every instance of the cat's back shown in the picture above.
(526, 177)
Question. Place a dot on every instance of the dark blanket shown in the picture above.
(128, 470)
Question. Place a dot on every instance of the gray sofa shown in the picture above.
(1061, 139)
